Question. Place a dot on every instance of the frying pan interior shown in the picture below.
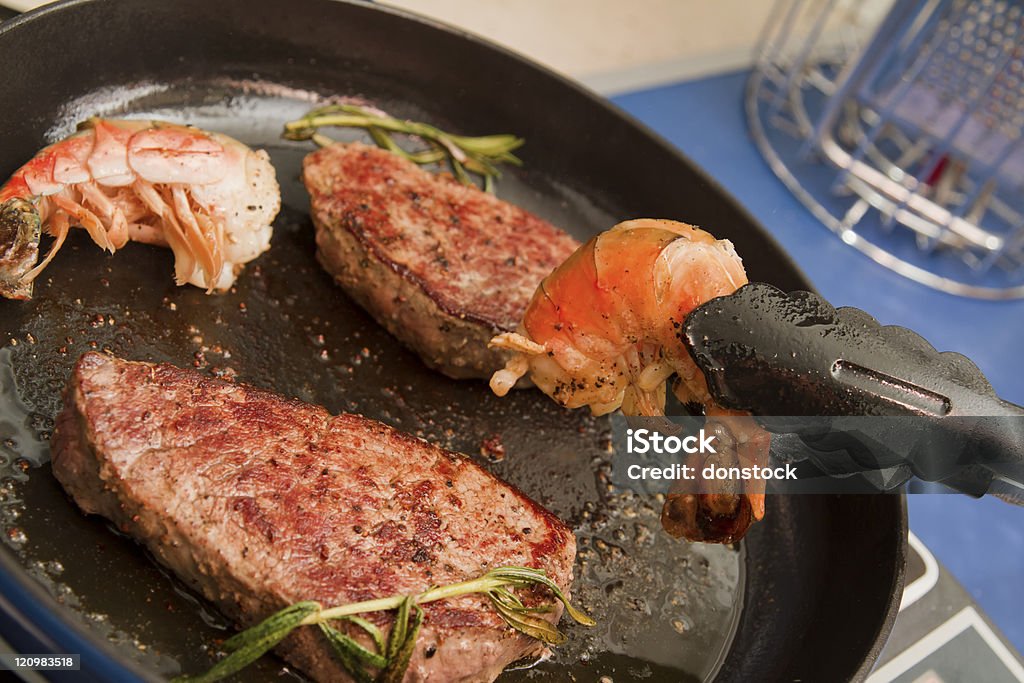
(810, 595)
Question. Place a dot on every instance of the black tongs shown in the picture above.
(859, 396)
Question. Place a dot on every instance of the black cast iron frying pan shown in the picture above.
(810, 595)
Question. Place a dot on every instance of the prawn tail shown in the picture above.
(708, 517)
(723, 512)
(20, 229)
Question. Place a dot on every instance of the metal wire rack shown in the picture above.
(909, 145)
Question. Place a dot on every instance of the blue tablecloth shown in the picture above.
(980, 541)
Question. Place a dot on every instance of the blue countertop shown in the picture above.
(980, 541)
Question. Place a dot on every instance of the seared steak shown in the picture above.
(443, 266)
(260, 501)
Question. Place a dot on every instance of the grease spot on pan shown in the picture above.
(18, 441)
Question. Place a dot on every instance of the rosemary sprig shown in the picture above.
(248, 646)
(477, 155)
(391, 658)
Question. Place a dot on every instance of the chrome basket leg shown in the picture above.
(920, 128)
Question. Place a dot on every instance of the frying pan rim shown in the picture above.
(896, 593)
(35, 604)
(35, 608)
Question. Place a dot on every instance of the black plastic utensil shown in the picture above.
(843, 383)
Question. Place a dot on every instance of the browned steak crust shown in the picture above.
(443, 266)
(259, 502)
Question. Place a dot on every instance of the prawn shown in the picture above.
(604, 330)
(205, 195)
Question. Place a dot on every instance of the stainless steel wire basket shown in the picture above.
(908, 144)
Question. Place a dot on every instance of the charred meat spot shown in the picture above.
(254, 517)
(492, 448)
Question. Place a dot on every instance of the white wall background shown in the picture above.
(620, 45)
(617, 45)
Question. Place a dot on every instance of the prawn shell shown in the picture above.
(38, 175)
(108, 163)
(713, 270)
(629, 263)
(177, 154)
(571, 309)
(70, 160)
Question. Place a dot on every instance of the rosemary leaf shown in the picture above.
(460, 171)
(289, 616)
(395, 671)
(370, 628)
(525, 576)
(377, 661)
(348, 653)
(251, 644)
(489, 145)
(508, 597)
(321, 140)
(524, 622)
(513, 601)
(398, 631)
(427, 156)
(384, 140)
(482, 167)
